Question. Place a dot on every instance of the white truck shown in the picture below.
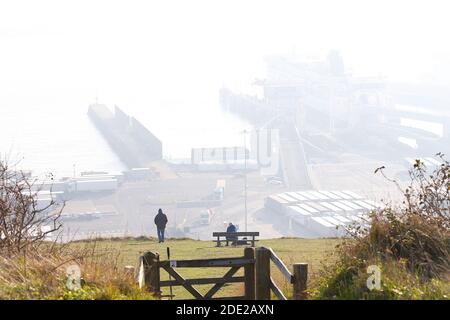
(93, 185)
(205, 217)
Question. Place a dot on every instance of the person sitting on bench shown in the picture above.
(231, 229)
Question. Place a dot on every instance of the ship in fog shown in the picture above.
(325, 113)
(335, 130)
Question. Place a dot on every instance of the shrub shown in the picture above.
(43, 274)
(33, 268)
(24, 223)
(410, 243)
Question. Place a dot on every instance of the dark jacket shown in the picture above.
(161, 220)
(231, 229)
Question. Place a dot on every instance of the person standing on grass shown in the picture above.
(161, 222)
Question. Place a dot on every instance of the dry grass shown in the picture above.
(42, 274)
(290, 250)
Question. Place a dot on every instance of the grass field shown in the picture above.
(315, 252)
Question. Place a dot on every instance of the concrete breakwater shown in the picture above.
(135, 145)
(246, 107)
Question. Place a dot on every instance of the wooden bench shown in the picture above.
(235, 235)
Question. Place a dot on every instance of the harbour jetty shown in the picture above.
(135, 145)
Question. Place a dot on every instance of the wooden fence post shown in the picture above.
(300, 281)
(262, 266)
(249, 274)
(151, 271)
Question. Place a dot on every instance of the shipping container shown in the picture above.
(309, 195)
(330, 195)
(322, 227)
(342, 206)
(318, 195)
(287, 198)
(352, 204)
(296, 196)
(342, 195)
(354, 195)
(308, 208)
(330, 206)
(300, 214)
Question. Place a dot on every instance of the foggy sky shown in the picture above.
(122, 50)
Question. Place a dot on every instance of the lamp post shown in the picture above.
(245, 176)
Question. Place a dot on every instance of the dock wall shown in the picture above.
(135, 145)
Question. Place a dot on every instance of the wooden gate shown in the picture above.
(151, 267)
(257, 280)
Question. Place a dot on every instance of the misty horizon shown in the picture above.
(333, 89)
